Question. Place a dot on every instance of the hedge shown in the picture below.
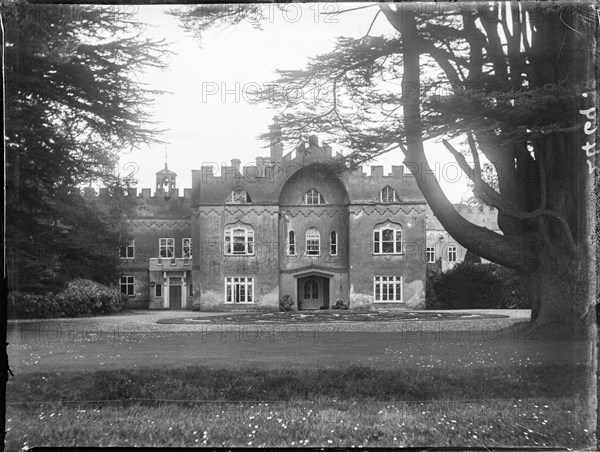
(476, 286)
(81, 297)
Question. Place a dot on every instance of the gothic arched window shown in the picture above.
(333, 244)
(238, 196)
(387, 195)
(387, 239)
(313, 242)
(291, 243)
(239, 239)
(313, 197)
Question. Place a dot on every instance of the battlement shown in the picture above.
(146, 193)
(213, 172)
(309, 149)
(306, 153)
(267, 170)
(377, 172)
(465, 209)
(480, 215)
(174, 193)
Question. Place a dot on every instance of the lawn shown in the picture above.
(77, 384)
(79, 348)
(349, 406)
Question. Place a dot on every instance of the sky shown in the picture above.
(205, 112)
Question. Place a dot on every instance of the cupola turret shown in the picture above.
(165, 180)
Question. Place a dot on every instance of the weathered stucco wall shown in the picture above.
(327, 218)
(213, 265)
(364, 264)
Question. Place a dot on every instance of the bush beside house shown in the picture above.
(80, 298)
(340, 304)
(475, 286)
(286, 303)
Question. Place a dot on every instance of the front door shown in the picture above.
(310, 294)
(175, 284)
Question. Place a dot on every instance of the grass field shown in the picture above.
(348, 406)
(270, 347)
(408, 384)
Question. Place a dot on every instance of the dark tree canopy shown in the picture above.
(73, 104)
(514, 81)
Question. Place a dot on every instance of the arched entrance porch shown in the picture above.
(313, 290)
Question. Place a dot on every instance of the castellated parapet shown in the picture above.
(484, 216)
(145, 193)
(264, 178)
(165, 203)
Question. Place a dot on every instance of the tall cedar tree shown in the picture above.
(514, 81)
(72, 104)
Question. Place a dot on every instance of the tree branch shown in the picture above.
(542, 170)
(475, 154)
(482, 190)
(482, 241)
(493, 198)
(372, 23)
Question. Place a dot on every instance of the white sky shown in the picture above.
(205, 127)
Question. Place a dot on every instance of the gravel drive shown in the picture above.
(146, 321)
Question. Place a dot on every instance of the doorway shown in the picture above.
(313, 293)
(175, 292)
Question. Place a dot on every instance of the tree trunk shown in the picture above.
(559, 292)
(531, 284)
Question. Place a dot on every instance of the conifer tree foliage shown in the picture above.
(72, 105)
(514, 81)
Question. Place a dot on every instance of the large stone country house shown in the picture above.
(244, 237)
(286, 225)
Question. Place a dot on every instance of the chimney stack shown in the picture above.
(267, 169)
(275, 142)
(260, 163)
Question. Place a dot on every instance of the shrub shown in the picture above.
(24, 305)
(340, 304)
(80, 297)
(432, 274)
(286, 303)
(85, 297)
(515, 293)
(476, 286)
